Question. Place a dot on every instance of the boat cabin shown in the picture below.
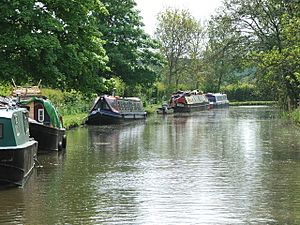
(217, 100)
(119, 105)
(188, 101)
(112, 109)
(37, 112)
(42, 111)
(14, 128)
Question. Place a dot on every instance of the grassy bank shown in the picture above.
(252, 103)
(74, 120)
(295, 115)
(72, 105)
(152, 108)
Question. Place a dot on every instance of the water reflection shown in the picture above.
(228, 166)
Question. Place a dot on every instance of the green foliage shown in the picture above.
(82, 54)
(56, 41)
(243, 92)
(248, 103)
(115, 85)
(180, 36)
(152, 108)
(225, 53)
(61, 42)
(132, 53)
(258, 34)
(280, 65)
(74, 120)
(28, 44)
(5, 88)
(295, 115)
(69, 102)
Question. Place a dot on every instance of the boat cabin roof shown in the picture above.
(122, 98)
(8, 113)
(215, 94)
(14, 129)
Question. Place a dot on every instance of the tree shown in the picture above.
(133, 55)
(28, 43)
(82, 55)
(53, 40)
(225, 52)
(195, 69)
(281, 66)
(260, 28)
(179, 34)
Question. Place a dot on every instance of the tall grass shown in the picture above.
(72, 105)
(295, 115)
(69, 102)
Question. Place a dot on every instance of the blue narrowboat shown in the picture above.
(217, 100)
(112, 109)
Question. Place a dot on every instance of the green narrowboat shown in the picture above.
(17, 150)
(45, 123)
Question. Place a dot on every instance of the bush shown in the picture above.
(5, 89)
(295, 115)
(244, 92)
(69, 102)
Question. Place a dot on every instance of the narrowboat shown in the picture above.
(17, 150)
(45, 123)
(113, 109)
(217, 100)
(188, 101)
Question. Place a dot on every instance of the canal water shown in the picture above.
(230, 166)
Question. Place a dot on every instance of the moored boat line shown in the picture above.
(46, 127)
(189, 101)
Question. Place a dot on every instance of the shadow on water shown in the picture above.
(226, 166)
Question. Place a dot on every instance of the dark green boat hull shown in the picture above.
(17, 163)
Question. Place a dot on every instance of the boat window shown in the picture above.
(220, 98)
(109, 103)
(114, 104)
(1, 130)
(211, 98)
(123, 106)
(25, 121)
(17, 126)
(41, 115)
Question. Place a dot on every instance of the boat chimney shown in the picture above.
(18, 96)
(114, 92)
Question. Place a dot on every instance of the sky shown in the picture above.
(200, 9)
